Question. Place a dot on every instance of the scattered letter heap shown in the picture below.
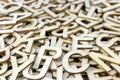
(59, 39)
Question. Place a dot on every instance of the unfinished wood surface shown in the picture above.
(59, 39)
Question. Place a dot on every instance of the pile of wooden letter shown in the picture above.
(59, 39)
